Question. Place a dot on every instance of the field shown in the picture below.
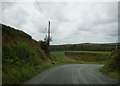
(81, 56)
(94, 52)
(59, 55)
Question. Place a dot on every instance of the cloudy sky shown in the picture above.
(71, 22)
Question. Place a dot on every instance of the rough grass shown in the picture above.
(19, 74)
(88, 56)
(112, 74)
(22, 57)
(59, 55)
(112, 65)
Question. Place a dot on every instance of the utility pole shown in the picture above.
(48, 43)
(116, 46)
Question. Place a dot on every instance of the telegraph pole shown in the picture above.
(48, 38)
(116, 46)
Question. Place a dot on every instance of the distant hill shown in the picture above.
(84, 47)
(22, 56)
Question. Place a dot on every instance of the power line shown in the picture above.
(46, 16)
(41, 10)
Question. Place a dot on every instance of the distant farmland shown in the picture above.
(84, 56)
(94, 52)
(84, 47)
(59, 55)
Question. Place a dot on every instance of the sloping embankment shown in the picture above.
(112, 66)
(22, 57)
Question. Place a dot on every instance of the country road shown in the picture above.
(72, 74)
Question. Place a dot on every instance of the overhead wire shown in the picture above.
(46, 16)
(42, 10)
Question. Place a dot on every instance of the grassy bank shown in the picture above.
(18, 74)
(112, 74)
(112, 65)
(22, 57)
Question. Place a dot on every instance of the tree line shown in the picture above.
(84, 47)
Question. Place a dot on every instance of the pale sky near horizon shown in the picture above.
(71, 22)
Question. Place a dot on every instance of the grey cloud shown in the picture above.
(16, 17)
(52, 10)
(6, 5)
(70, 22)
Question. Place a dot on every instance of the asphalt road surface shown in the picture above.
(72, 74)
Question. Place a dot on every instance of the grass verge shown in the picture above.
(112, 65)
(112, 74)
(20, 74)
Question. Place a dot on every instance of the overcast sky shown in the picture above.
(71, 22)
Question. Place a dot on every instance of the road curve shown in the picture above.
(72, 74)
